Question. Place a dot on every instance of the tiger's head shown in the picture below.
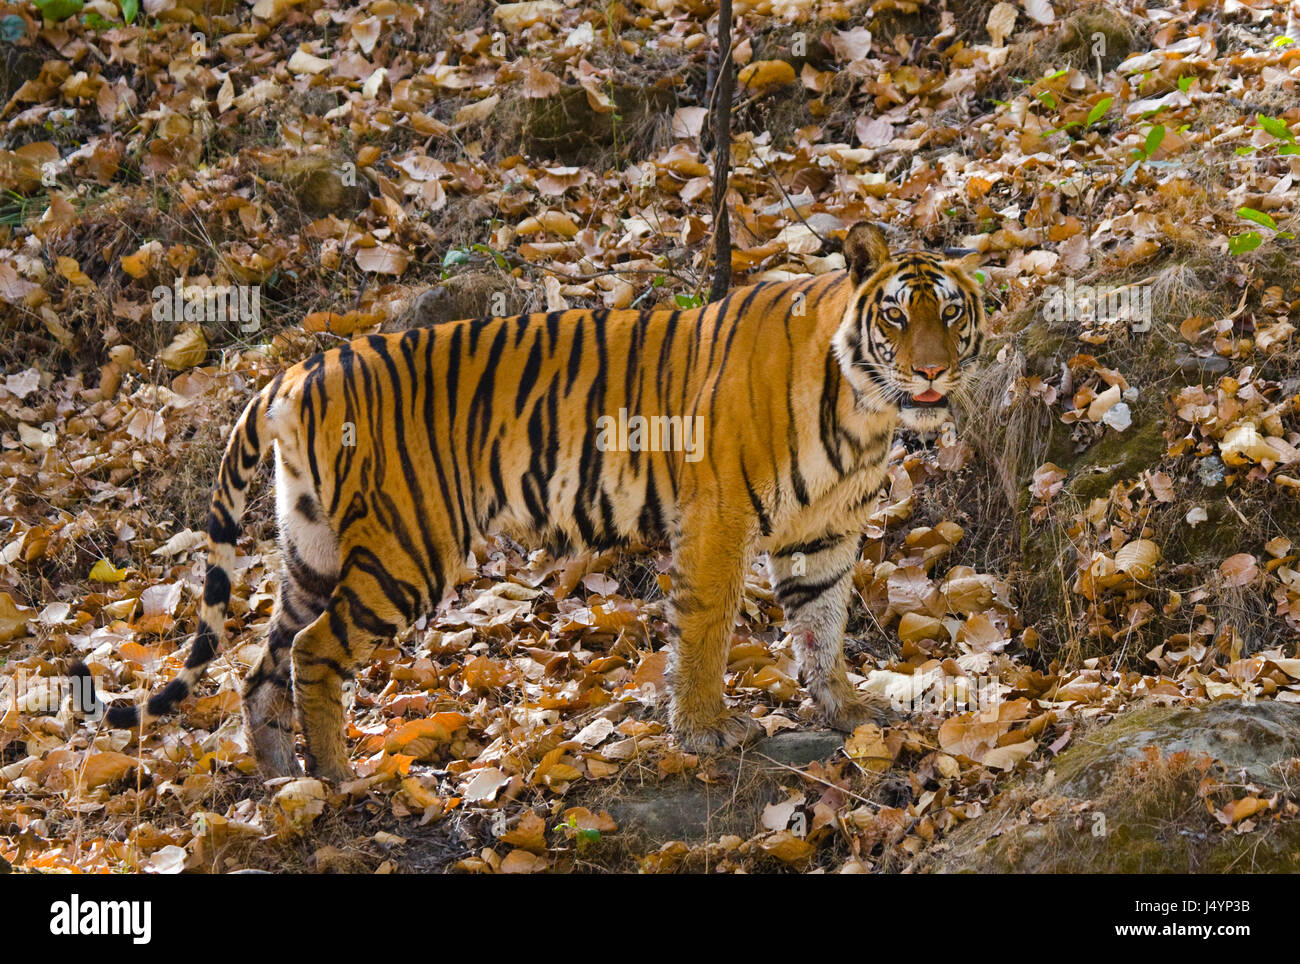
(914, 320)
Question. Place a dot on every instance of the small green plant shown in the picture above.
(1283, 137)
(587, 835)
(56, 10)
(658, 282)
(459, 256)
(1155, 136)
(1250, 240)
(1099, 110)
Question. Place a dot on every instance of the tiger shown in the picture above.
(397, 453)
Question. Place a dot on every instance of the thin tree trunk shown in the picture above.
(723, 88)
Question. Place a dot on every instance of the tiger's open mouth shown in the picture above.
(927, 399)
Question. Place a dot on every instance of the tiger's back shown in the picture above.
(521, 425)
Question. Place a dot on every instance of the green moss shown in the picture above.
(1117, 809)
(1115, 457)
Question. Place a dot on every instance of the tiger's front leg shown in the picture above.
(812, 582)
(709, 562)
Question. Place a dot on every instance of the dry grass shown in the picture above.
(1070, 42)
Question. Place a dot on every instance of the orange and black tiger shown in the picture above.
(774, 411)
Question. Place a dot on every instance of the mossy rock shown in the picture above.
(797, 44)
(1249, 737)
(693, 811)
(468, 294)
(1116, 456)
(1117, 806)
(320, 184)
(566, 127)
(322, 190)
(1075, 36)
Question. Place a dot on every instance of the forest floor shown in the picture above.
(1114, 525)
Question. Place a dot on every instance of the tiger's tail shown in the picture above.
(248, 443)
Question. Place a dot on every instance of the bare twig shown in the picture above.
(723, 90)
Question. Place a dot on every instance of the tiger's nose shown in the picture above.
(930, 371)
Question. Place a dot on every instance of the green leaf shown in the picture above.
(1282, 41)
(1277, 127)
(1099, 110)
(1184, 83)
(979, 276)
(1259, 217)
(1241, 243)
(1244, 151)
(129, 9)
(59, 9)
(688, 301)
(1046, 97)
(1154, 137)
(497, 256)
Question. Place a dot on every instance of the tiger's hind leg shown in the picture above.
(369, 605)
(309, 573)
(812, 582)
(268, 707)
(268, 701)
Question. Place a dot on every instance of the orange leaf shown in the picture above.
(530, 834)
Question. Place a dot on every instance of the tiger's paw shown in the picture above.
(728, 730)
(336, 771)
(848, 714)
(271, 769)
(274, 751)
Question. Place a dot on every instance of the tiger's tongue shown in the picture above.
(929, 395)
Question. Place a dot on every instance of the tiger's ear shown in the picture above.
(865, 250)
(964, 259)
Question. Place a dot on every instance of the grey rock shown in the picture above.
(798, 748)
(1211, 471)
(693, 811)
(1190, 364)
(1101, 813)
